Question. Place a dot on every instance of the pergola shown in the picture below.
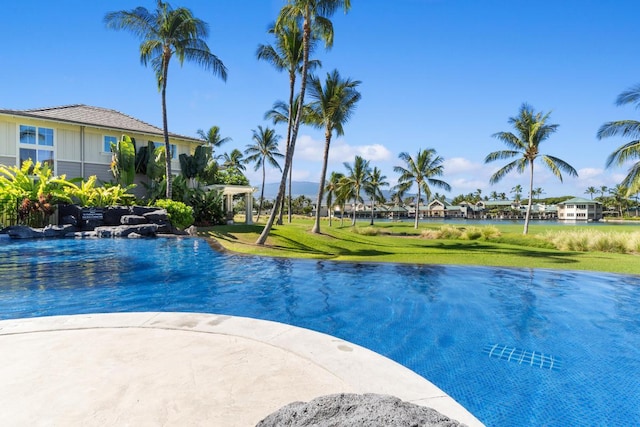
(232, 190)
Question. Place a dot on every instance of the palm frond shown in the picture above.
(628, 151)
(498, 175)
(624, 128)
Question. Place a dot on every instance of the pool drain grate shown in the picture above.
(523, 357)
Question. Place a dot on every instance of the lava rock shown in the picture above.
(356, 410)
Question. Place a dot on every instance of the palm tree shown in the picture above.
(265, 150)
(603, 189)
(494, 195)
(619, 198)
(280, 114)
(537, 192)
(630, 150)
(331, 189)
(286, 54)
(591, 191)
(315, 21)
(330, 108)
(234, 160)
(356, 180)
(344, 194)
(531, 128)
(421, 171)
(166, 32)
(212, 138)
(517, 190)
(374, 181)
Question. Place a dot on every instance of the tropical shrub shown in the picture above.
(180, 215)
(123, 160)
(87, 194)
(33, 189)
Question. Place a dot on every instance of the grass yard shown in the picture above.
(399, 242)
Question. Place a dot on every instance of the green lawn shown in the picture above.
(399, 242)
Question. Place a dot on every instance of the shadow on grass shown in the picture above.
(364, 246)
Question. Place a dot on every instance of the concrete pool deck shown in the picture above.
(147, 369)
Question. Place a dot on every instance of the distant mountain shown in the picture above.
(298, 188)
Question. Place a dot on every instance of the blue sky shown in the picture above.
(443, 74)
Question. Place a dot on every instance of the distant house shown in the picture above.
(443, 209)
(75, 139)
(579, 209)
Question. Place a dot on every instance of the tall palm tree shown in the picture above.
(494, 195)
(315, 21)
(372, 188)
(234, 160)
(603, 189)
(421, 172)
(591, 191)
(331, 107)
(212, 138)
(356, 180)
(537, 192)
(630, 150)
(331, 189)
(345, 193)
(286, 55)
(531, 130)
(166, 32)
(280, 114)
(263, 151)
(517, 190)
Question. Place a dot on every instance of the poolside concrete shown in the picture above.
(149, 369)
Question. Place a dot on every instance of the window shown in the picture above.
(581, 206)
(107, 141)
(174, 149)
(36, 143)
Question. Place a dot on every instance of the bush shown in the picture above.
(593, 240)
(471, 233)
(449, 232)
(180, 215)
(490, 232)
(366, 231)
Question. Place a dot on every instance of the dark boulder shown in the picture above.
(112, 214)
(145, 230)
(356, 410)
(157, 216)
(133, 220)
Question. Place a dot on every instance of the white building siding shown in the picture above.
(68, 145)
(8, 140)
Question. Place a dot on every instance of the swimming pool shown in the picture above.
(515, 347)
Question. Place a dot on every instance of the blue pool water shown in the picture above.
(516, 347)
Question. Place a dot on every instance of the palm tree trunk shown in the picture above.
(329, 209)
(292, 83)
(323, 176)
(167, 146)
(353, 220)
(528, 214)
(417, 209)
(294, 132)
(371, 223)
(261, 193)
